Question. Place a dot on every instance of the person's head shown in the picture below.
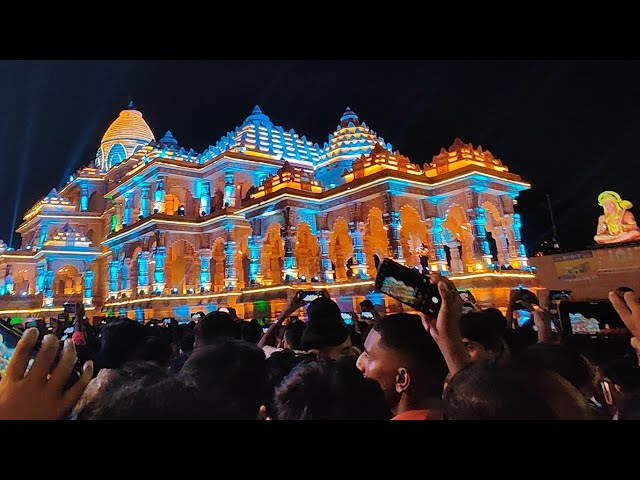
(366, 305)
(567, 363)
(230, 376)
(327, 336)
(499, 390)
(186, 342)
(323, 389)
(142, 391)
(213, 327)
(279, 364)
(293, 335)
(251, 331)
(405, 360)
(120, 342)
(323, 307)
(155, 349)
(481, 336)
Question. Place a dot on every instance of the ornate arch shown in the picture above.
(375, 239)
(340, 247)
(272, 254)
(217, 264)
(307, 251)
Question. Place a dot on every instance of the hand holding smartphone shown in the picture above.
(408, 286)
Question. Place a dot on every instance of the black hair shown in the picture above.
(404, 333)
(493, 390)
(293, 334)
(251, 331)
(323, 332)
(155, 349)
(481, 327)
(560, 359)
(323, 389)
(214, 326)
(279, 364)
(121, 340)
(366, 303)
(323, 307)
(143, 391)
(230, 376)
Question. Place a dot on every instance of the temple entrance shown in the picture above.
(272, 255)
(181, 267)
(217, 265)
(459, 240)
(413, 236)
(375, 241)
(67, 281)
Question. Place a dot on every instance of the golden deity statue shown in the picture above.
(617, 224)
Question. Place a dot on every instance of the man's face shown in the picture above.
(381, 365)
(343, 350)
(476, 350)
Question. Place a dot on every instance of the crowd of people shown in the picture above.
(466, 363)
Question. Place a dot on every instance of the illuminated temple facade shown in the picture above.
(151, 229)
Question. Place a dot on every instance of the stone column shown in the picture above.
(502, 245)
(84, 197)
(126, 210)
(44, 230)
(359, 266)
(205, 272)
(480, 235)
(159, 196)
(41, 269)
(205, 197)
(290, 266)
(439, 255)
(255, 275)
(114, 270)
(229, 197)
(230, 278)
(143, 272)
(512, 225)
(144, 200)
(125, 280)
(159, 256)
(394, 237)
(325, 261)
(8, 279)
(48, 288)
(88, 288)
(456, 262)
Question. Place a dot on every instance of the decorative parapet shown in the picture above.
(288, 177)
(460, 155)
(380, 159)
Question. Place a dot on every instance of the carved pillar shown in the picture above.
(84, 197)
(456, 262)
(393, 234)
(512, 225)
(114, 270)
(159, 196)
(439, 255)
(144, 200)
(159, 256)
(88, 288)
(205, 197)
(255, 275)
(502, 245)
(44, 230)
(205, 273)
(230, 277)
(290, 267)
(480, 236)
(41, 269)
(125, 277)
(359, 266)
(229, 198)
(143, 272)
(48, 288)
(325, 261)
(126, 212)
(8, 279)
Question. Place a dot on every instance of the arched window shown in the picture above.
(117, 154)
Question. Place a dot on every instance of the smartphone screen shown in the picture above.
(597, 318)
(310, 296)
(368, 315)
(9, 338)
(408, 286)
(347, 318)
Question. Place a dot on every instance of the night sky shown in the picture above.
(568, 127)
